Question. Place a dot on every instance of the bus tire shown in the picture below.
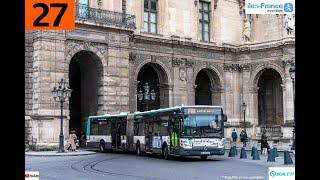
(138, 152)
(204, 157)
(102, 147)
(165, 152)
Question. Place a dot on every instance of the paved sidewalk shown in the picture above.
(55, 153)
(279, 161)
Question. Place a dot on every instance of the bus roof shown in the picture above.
(106, 116)
(109, 116)
(173, 109)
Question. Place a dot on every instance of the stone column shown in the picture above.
(245, 93)
(117, 78)
(180, 82)
(288, 94)
(133, 95)
(49, 66)
(228, 92)
(190, 85)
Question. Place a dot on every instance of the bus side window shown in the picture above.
(136, 128)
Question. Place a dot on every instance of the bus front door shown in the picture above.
(174, 136)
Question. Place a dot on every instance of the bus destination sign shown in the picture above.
(201, 110)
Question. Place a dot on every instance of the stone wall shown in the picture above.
(267, 27)
(28, 79)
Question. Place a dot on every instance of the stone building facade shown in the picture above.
(190, 52)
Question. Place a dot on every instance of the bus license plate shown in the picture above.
(205, 152)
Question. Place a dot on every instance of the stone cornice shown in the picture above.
(176, 40)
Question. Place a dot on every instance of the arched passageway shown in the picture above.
(85, 76)
(270, 98)
(207, 90)
(155, 76)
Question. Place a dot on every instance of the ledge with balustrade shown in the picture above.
(104, 17)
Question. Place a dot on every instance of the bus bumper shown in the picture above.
(196, 152)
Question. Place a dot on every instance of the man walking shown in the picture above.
(234, 135)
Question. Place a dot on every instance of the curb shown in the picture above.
(55, 153)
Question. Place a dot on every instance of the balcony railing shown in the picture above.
(105, 17)
(271, 128)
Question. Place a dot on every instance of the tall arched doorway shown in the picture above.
(270, 98)
(207, 91)
(85, 73)
(155, 76)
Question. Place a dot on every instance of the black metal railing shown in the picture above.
(106, 17)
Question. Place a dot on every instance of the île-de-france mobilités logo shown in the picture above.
(270, 6)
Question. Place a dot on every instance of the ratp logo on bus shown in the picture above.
(281, 173)
(31, 175)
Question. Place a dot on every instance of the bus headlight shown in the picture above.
(221, 143)
(185, 144)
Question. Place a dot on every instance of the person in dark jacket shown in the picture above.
(234, 135)
(264, 141)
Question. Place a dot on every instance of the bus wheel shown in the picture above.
(102, 146)
(165, 152)
(138, 152)
(203, 157)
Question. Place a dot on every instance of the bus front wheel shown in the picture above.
(203, 157)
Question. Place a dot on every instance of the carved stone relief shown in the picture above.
(182, 74)
(287, 61)
(231, 67)
(72, 44)
(177, 62)
(189, 63)
(245, 67)
(132, 57)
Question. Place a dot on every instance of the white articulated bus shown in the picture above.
(177, 131)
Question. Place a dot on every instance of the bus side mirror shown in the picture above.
(224, 118)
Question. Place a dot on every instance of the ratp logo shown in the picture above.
(281, 173)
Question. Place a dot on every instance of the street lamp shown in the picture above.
(244, 108)
(146, 95)
(61, 94)
(292, 75)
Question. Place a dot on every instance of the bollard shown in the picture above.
(243, 153)
(252, 150)
(275, 152)
(255, 154)
(287, 158)
(235, 150)
(231, 152)
(271, 157)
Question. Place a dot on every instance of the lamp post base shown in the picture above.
(61, 146)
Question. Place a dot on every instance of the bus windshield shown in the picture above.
(201, 125)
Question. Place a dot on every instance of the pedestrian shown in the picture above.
(234, 135)
(83, 139)
(73, 138)
(264, 143)
(242, 136)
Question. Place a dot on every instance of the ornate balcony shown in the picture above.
(112, 18)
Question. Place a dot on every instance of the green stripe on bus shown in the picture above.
(174, 139)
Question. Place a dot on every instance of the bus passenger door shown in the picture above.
(149, 131)
(174, 136)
